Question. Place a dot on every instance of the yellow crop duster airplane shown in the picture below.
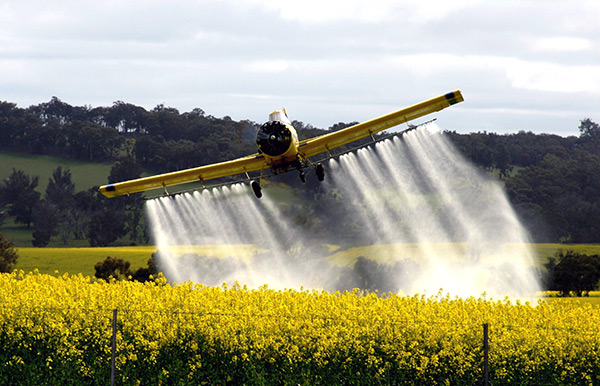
(279, 149)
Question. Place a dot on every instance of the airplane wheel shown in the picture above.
(302, 176)
(257, 189)
(320, 172)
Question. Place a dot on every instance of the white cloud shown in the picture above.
(371, 11)
(326, 61)
(542, 76)
(561, 44)
(429, 10)
(330, 10)
(267, 66)
(522, 74)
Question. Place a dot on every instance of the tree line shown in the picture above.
(553, 182)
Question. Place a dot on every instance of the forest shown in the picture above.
(553, 182)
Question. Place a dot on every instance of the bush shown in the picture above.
(112, 267)
(8, 255)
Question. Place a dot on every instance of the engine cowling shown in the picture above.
(274, 138)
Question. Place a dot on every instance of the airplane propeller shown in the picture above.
(273, 138)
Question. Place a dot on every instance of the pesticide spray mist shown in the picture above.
(433, 221)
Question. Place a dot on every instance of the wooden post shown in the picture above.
(486, 349)
(114, 348)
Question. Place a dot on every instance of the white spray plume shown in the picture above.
(443, 223)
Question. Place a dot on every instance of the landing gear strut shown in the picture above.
(256, 188)
(320, 172)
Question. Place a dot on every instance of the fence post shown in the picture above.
(486, 349)
(114, 348)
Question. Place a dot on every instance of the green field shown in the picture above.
(82, 260)
(554, 297)
(84, 174)
(545, 251)
(58, 261)
(394, 252)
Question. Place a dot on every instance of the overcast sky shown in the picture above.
(522, 65)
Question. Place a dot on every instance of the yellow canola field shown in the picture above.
(58, 330)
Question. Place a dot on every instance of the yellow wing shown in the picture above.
(307, 148)
(203, 173)
(323, 143)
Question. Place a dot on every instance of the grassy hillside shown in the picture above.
(84, 174)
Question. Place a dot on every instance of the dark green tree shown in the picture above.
(61, 189)
(17, 182)
(8, 254)
(126, 118)
(576, 273)
(18, 190)
(9, 116)
(124, 169)
(85, 203)
(106, 227)
(589, 130)
(60, 194)
(128, 169)
(91, 141)
(168, 122)
(46, 219)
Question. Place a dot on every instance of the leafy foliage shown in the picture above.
(590, 135)
(18, 191)
(114, 268)
(553, 182)
(8, 254)
(61, 189)
(46, 217)
(105, 227)
(562, 191)
(111, 267)
(576, 273)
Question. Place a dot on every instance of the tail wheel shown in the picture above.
(257, 189)
(320, 172)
